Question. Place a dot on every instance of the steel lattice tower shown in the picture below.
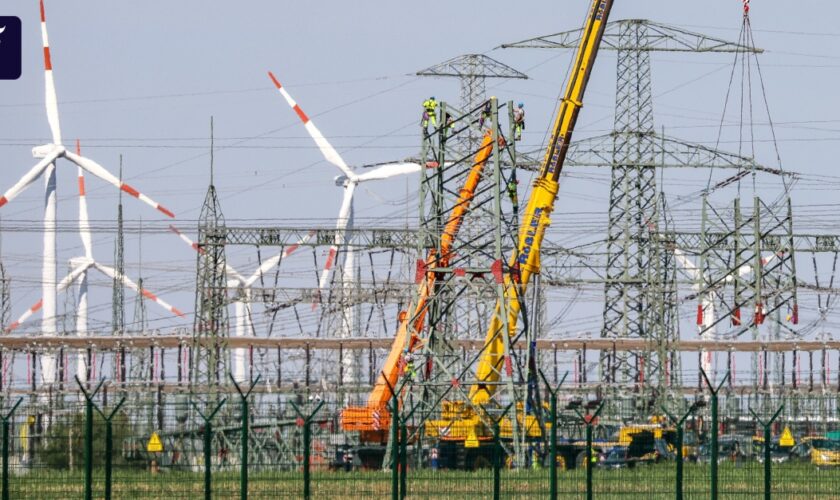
(5, 312)
(118, 292)
(5, 293)
(471, 251)
(207, 363)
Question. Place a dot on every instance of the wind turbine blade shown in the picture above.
(84, 222)
(186, 239)
(99, 171)
(25, 316)
(390, 170)
(111, 273)
(340, 228)
(29, 178)
(324, 145)
(66, 282)
(229, 271)
(51, 99)
(270, 263)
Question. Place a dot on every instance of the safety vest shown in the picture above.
(430, 105)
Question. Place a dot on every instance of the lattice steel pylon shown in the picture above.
(472, 70)
(140, 358)
(634, 151)
(461, 280)
(208, 361)
(5, 310)
(118, 290)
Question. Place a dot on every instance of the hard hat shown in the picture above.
(432, 98)
(521, 104)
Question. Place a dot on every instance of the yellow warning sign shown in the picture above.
(472, 440)
(155, 445)
(787, 438)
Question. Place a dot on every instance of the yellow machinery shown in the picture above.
(465, 423)
(825, 452)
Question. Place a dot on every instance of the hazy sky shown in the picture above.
(142, 79)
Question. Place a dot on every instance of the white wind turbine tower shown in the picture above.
(349, 180)
(243, 320)
(707, 326)
(48, 154)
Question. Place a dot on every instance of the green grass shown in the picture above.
(790, 481)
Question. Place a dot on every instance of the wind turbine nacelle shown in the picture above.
(77, 262)
(341, 180)
(43, 151)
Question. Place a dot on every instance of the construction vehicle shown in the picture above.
(464, 421)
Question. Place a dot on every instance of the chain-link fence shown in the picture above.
(107, 444)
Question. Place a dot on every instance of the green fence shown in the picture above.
(239, 444)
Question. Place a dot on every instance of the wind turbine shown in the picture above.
(79, 273)
(349, 180)
(48, 154)
(242, 304)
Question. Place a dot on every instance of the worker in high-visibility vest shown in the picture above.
(518, 121)
(486, 114)
(409, 366)
(430, 112)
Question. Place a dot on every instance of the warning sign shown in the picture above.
(787, 438)
(472, 440)
(155, 445)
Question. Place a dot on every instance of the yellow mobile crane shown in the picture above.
(525, 261)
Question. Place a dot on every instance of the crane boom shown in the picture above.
(526, 258)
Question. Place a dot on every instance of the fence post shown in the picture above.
(497, 462)
(395, 460)
(89, 436)
(6, 418)
(403, 460)
(208, 443)
(589, 421)
(714, 451)
(109, 444)
(307, 442)
(552, 478)
(679, 424)
(246, 417)
(768, 484)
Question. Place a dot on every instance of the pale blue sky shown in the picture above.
(142, 79)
